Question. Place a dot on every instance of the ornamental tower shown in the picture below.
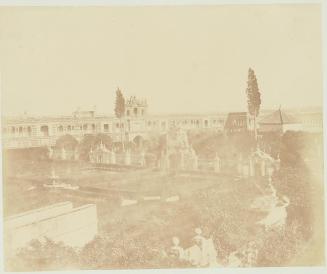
(135, 107)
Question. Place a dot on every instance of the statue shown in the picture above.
(176, 250)
(50, 152)
(217, 164)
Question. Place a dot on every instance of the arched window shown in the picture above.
(163, 125)
(29, 131)
(60, 129)
(128, 112)
(85, 127)
(106, 127)
(135, 111)
(69, 128)
(45, 130)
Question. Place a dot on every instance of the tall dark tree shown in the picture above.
(254, 98)
(120, 111)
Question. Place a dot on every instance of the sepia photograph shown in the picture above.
(162, 136)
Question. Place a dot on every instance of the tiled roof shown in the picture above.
(279, 117)
(236, 120)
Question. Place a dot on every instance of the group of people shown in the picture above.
(203, 253)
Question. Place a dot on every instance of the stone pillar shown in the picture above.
(91, 156)
(195, 162)
(107, 157)
(50, 152)
(277, 163)
(162, 161)
(240, 166)
(270, 171)
(263, 168)
(167, 162)
(217, 164)
(142, 160)
(246, 170)
(127, 158)
(112, 159)
(182, 162)
(251, 167)
(63, 154)
(76, 155)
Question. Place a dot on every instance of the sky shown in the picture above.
(181, 59)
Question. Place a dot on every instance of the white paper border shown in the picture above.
(265, 270)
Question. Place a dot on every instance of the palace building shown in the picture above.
(25, 131)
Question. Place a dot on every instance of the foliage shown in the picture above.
(295, 178)
(44, 255)
(281, 247)
(271, 143)
(91, 141)
(142, 239)
(119, 104)
(299, 147)
(66, 141)
(155, 144)
(120, 113)
(228, 147)
(253, 94)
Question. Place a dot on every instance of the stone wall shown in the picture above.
(60, 222)
(36, 215)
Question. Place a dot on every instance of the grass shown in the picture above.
(133, 184)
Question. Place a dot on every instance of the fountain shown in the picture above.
(55, 184)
